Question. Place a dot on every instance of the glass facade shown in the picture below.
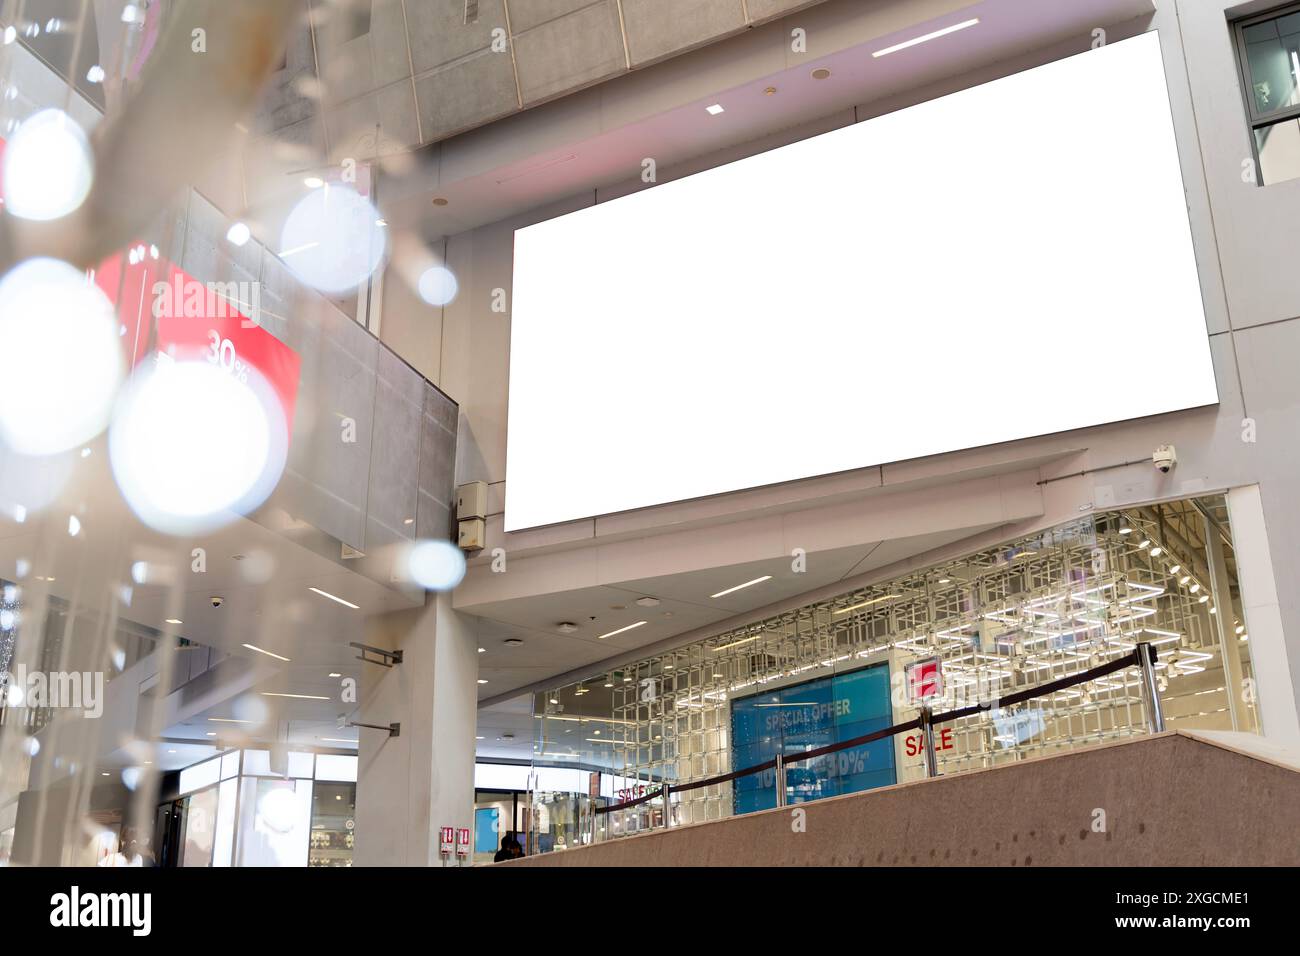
(248, 808)
(1004, 619)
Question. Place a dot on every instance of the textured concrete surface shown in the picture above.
(1176, 799)
(427, 69)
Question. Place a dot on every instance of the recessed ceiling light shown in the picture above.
(173, 620)
(715, 109)
(821, 74)
(267, 693)
(228, 720)
(212, 733)
(335, 674)
(555, 700)
(313, 182)
(482, 680)
(647, 601)
(929, 36)
(267, 653)
(566, 627)
(513, 642)
(766, 577)
(355, 607)
(409, 521)
(482, 650)
(439, 201)
(621, 630)
(770, 91)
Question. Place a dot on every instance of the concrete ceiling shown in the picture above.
(684, 607)
(597, 139)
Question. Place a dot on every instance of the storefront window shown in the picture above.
(333, 824)
(1014, 616)
(199, 819)
(252, 808)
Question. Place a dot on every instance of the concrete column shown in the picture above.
(410, 785)
(1277, 703)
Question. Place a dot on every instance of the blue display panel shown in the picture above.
(805, 716)
(487, 823)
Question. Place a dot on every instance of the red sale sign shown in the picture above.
(165, 310)
(205, 321)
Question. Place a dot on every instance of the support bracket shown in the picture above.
(394, 729)
(389, 657)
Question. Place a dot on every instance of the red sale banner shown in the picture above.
(164, 310)
(208, 321)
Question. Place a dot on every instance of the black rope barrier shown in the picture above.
(1131, 659)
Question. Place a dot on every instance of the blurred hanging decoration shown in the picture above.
(218, 53)
(333, 240)
(63, 362)
(10, 605)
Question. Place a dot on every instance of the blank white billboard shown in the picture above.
(1008, 261)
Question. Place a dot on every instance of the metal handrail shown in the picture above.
(1142, 656)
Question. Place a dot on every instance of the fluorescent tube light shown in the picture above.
(621, 630)
(267, 653)
(355, 607)
(766, 577)
(927, 37)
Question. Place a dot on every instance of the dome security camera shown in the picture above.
(217, 601)
(1164, 458)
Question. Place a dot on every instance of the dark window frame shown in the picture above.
(1254, 119)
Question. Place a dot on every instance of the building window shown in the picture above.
(1268, 49)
